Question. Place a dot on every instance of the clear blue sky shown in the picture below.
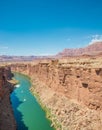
(41, 27)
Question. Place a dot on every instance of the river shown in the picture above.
(27, 111)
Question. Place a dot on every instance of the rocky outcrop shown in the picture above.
(70, 88)
(93, 49)
(7, 121)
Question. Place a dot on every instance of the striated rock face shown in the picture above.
(71, 88)
(81, 83)
(7, 121)
(92, 49)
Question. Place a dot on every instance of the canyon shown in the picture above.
(70, 88)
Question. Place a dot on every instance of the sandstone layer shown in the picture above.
(92, 49)
(7, 121)
(71, 89)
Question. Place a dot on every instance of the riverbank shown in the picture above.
(51, 116)
(65, 114)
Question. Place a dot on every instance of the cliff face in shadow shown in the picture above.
(70, 88)
(7, 121)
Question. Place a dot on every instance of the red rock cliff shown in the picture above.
(7, 121)
(76, 82)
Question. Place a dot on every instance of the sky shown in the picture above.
(46, 27)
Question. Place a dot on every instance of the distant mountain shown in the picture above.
(93, 49)
(5, 58)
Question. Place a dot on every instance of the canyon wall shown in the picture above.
(81, 83)
(78, 81)
(7, 121)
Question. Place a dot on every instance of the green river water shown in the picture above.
(27, 111)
